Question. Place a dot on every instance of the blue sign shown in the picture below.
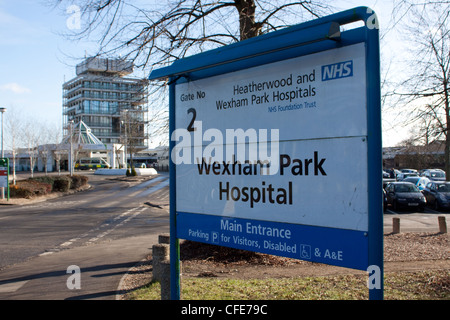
(275, 145)
(338, 247)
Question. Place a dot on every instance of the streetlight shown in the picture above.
(71, 148)
(2, 110)
(124, 123)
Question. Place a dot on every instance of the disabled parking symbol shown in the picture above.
(305, 251)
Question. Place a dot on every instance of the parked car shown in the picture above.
(437, 194)
(434, 174)
(409, 171)
(403, 175)
(420, 182)
(405, 194)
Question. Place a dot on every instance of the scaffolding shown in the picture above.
(100, 95)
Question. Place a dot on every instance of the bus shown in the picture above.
(91, 163)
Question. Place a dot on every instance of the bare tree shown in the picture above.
(14, 128)
(156, 33)
(56, 140)
(49, 139)
(425, 92)
(31, 140)
(164, 31)
(134, 132)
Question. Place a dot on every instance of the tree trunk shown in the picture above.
(447, 135)
(247, 25)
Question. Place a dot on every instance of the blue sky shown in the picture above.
(35, 57)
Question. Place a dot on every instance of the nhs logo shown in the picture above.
(337, 70)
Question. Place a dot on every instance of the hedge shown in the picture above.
(39, 186)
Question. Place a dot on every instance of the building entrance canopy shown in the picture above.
(81, 136)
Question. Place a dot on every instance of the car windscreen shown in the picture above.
(443, 187)
(437, 174)
(412, 180)
(406, 188)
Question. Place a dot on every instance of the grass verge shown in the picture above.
(423, 285)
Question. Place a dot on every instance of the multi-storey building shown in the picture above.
(114, 106)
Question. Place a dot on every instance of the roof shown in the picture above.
(82, 135)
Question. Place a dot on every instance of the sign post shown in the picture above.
(4, 176)
(275, 146)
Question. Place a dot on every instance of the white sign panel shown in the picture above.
(280, 142)
(4, 177)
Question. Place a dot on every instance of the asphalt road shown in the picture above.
(104, 231)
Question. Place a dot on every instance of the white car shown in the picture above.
(434, 174)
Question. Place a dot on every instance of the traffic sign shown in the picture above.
(4, 175)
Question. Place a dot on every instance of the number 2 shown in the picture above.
(190, 127)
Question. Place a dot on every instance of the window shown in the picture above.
(95, 106)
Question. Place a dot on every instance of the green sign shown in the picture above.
(4, 174)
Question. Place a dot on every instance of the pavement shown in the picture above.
(53, 275)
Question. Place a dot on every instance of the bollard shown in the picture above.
(164, 238)
(165, 280)
(160, 253)
(395, 225)
(442, 225)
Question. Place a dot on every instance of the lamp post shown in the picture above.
(3, 110)
(71, 148)
(124, 123)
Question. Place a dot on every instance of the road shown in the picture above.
(104, 231)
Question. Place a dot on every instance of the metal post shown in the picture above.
(174, 242)
(71, 148)
(3, 110)
(124, 123)
(375, 160)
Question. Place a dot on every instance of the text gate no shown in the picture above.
(276, 144)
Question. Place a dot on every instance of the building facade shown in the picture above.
(114, 106)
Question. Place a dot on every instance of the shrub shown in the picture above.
(62, 184)
(84, 180)
(46, 179)
(29, 188)
(16, 191)
(44, 185)
(78, 181)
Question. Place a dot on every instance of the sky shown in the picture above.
(35, 59)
